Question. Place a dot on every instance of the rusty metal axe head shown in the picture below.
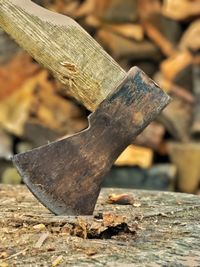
(66, 175)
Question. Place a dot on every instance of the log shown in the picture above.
(158, 38)
(147, 8)
(164, 32)
(131, 31)
(174, 89)
(11, 176)
(8, 47)
(135, 156)
(117, 10)
(177, 119)
(152, 136)
(156, 229)
(62, 7)
(5, 145)
(36, 101)
(120, 47)
(175, 64)
(13, 74)
(186, 157)
(181, 9)
(86, 8)
(178, 69)
(191, 38)
(196, 110)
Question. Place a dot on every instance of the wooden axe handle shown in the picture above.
(61, 45)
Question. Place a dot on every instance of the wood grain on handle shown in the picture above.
(61, 45)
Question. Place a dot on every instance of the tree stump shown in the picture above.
(157, 229)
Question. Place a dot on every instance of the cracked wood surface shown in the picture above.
(167, 232)
(61, 45)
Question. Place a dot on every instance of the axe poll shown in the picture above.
(66, 175)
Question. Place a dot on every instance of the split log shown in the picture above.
(37, 101)
(23, 146)
(15, 72)
(178, 69)
(131, 31)
(5, 145)
(4, 165)
(62, 7)
(177, 119)
(181, 9)
(11, 176)
(147, 8)
(36, 133)
(186, 157)
(197, 59)
(120, 47)
(158, 38)
(8, 48)
(135, 156)
(196, 110)
(163, 32)
(191, 38)
(152, 136)
(41, 2)
(158, 228)
(85, 9)
(174, 89)
(175, 64)
(117, 10)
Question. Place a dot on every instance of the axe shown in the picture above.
(66, 175)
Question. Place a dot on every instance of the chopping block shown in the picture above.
(157, 229)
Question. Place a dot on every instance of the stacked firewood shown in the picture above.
(162, 38)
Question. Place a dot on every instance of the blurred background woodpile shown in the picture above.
(160, 37)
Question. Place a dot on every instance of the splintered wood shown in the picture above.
(160, 37)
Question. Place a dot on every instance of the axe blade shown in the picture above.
(66, 175)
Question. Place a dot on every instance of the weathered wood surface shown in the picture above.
(165, 232)
(62, 46)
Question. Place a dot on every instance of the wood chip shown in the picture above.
(137, 204)
(122, 199)
(39, 227)
(57, 261)
(41, 240)
(4, 255)
(90, 252)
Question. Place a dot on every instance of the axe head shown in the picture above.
(66, 175)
